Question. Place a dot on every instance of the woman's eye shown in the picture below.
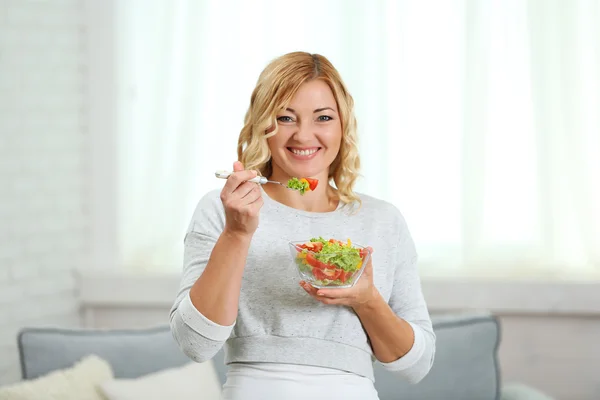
(324, 118)
(285, 119)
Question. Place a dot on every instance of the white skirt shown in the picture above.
(274, 381)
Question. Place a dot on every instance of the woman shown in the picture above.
(285, 340)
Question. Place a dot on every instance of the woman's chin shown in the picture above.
(303, 172)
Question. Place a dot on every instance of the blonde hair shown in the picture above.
(276, 86)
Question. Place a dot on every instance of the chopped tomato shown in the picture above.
(313, 262)
(344, 276)
(312, 183)
(318, 273)
(312, 246)
(332, 273)
(336, 241)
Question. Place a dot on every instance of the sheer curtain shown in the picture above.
(478, 119)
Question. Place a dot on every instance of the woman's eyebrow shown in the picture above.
(316, 111)
(323, 109)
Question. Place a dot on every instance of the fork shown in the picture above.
(259, 179)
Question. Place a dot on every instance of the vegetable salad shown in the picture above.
(302, 185)
(331, 262)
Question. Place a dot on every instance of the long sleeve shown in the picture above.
(197, 336)
(408, 303)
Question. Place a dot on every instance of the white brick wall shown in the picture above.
(44, 210)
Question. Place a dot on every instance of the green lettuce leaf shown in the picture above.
(344, 257)
(296, 184)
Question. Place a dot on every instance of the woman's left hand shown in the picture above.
(361, 293)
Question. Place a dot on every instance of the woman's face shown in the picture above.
(309, 135)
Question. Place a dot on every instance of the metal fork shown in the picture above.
(259, 179)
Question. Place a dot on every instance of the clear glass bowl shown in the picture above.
(322, 274)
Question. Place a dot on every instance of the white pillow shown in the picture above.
(192, 381)
(79, 382)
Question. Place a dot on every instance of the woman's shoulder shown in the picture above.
(390, 224)
(212, 198)
(375, 207)
(209, 211)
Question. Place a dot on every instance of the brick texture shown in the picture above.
(44, 226)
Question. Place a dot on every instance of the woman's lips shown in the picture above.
(303, 153)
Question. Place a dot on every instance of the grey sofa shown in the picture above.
(465, 368)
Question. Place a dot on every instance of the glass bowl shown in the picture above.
(338, 265)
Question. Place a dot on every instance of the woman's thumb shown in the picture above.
(238, 166)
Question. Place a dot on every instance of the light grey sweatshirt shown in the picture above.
(277, 320)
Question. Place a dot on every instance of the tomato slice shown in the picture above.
(313, 262)
(318, 273)
(343, 276)
(312, 246)
(312, 183)
(363, 253)
(317, 247)
(332, 273)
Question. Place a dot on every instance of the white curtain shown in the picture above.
(478, 119)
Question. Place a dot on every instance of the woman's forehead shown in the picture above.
(311, 96)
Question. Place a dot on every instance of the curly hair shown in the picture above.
(276, 86)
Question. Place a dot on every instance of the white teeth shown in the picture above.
(304, 152)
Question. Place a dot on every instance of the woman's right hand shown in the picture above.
(242, 201)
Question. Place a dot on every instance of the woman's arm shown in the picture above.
(216, 248)
(400, 333)
(391, 337)
(203, 315)
(216, 293)
(403, 347)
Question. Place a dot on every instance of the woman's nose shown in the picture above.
(304, 132)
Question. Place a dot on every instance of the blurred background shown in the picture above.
(480, 120)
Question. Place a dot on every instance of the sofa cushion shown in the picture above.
(191, 382)
(465, 366)
(131, 353)
(519, 391)
(78, 382)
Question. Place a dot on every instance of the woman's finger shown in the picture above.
(256, 205)
(253, 195)
(323, 299)
(237, 179)
(243, 190)
(327, 300)
(368, 268)
(309, 288)
(337, 293)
